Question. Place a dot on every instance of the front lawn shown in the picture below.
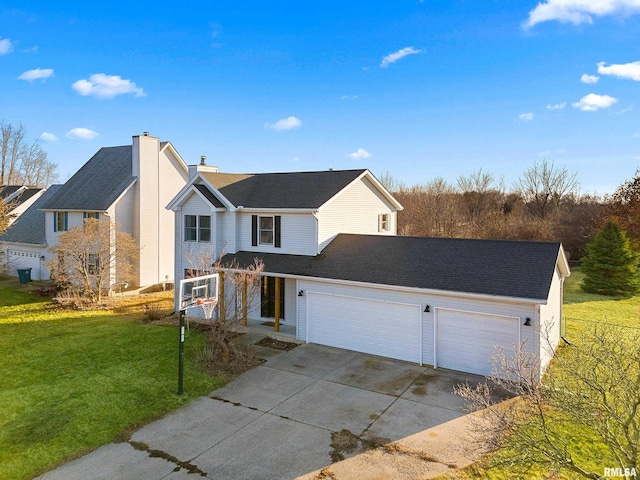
(71, 381)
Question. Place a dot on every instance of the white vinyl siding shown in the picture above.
(297, 234)
(550, 320)
(357, 209)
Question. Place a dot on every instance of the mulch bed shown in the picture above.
(276, 344)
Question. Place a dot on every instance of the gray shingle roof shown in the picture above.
(7, 191)
(502, 268)
(30, 226)
(282, 190)
(98, 183)
(208, 194)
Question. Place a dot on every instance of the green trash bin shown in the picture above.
(24, 274)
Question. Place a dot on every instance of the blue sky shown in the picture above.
(417, 88)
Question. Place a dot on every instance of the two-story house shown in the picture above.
(336, 273)
(128, 186)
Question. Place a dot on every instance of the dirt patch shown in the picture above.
(419, 391)
(276, 344)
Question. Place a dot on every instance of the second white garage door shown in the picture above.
(379, 328)
(466, 341)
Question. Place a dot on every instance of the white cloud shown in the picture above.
(359, 154)
(395, 56)
(81, 134)
(5, 46)
(288, 123)
(49, 137)
(629, 71)
(594, 102)
(37, 73)
(590, 79)
(101, 85)
(579, 11)
(349, 97)
(526, 117)
(557, 106)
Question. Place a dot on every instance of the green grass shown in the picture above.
(72, 381)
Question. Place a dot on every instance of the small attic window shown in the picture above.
(384, 222)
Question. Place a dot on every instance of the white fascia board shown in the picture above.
(563, 263)
(423, 291)
(277, 210)
(183, 194)
(169, 146)
(376, 183)
(20, 244)
(124, 192)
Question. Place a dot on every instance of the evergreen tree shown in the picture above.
(610, 266)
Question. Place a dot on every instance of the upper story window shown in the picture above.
(265, 235)
(95, 215)
(384, 222)
(265, 230)
(60, 221)
(197, 228)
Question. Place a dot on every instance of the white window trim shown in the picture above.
(272, 230)
(198, 229)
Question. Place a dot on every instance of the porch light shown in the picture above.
(527, 322)
(301, 293)
(427, 309)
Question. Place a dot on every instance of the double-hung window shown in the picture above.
(95, 215)
(197, 228)
(384, 222)
(265, 230)
(60, 221)
(93, 263)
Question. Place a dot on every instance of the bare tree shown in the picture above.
(5, 215)
(92, 259)
(481, 199)
(390, 182)
(21, 162)
(593, 387)
(544, 187)
(430, 210)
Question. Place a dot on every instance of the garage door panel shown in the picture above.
(466, 341)
(379, 328)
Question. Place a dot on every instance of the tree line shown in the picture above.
(543, 204)
(23, 162)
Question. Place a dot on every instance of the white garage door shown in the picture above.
(465, 341)
(379, 328)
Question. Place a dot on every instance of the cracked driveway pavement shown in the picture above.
(312, 411)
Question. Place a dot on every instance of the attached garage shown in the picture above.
(380, 328)
(434, 301)
(466, 341)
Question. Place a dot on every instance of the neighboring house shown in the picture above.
(127, 185)
(20, 198)
(24, 244)
(340, 276)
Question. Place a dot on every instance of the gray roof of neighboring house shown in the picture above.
(504, 268)
(9, 190)
(30, 226)
(282, 190)
(97, 184)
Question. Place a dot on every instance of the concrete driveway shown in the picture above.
(310, 412)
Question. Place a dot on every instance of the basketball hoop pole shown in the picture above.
(181, 354)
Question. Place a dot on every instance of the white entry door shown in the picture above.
(380, 328)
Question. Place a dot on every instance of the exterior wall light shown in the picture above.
(527, 322)
(427, 309)
(301, 293)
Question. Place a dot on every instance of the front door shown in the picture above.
(268, 297)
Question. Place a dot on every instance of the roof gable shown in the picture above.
(30, 226)
(98, 184)
(504, 268)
